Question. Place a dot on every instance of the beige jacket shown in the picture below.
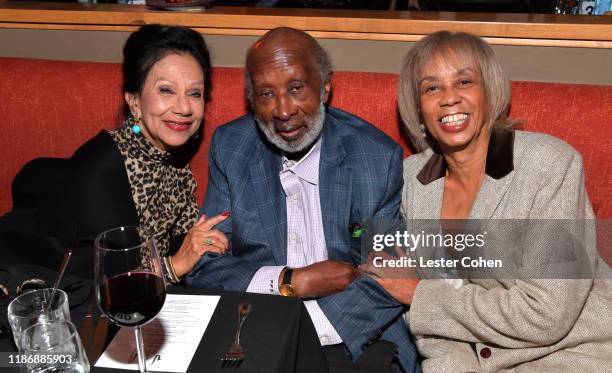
(512, 325)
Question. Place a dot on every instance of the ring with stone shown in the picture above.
(208, 241)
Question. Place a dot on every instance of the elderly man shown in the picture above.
(294, 175)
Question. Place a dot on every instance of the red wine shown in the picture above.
(132, 298)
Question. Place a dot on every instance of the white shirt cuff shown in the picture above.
(325, 330)
(265, 280)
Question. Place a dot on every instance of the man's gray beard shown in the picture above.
(315, 127)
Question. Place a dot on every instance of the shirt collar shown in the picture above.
(306, 168)
(499, 159)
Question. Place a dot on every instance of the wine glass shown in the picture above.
(129, 281)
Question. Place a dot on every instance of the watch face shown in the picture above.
(286, 291)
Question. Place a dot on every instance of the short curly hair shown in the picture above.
(324, 64)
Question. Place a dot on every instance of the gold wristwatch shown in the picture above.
(284, 287)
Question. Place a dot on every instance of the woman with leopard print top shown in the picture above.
(137, 174)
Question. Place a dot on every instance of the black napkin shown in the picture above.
(78, 289)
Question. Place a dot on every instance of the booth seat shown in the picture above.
(48, 108)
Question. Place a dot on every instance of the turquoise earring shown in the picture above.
(135, 124)
(136, 129)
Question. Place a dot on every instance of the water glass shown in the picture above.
(53, 346)
(32, 307)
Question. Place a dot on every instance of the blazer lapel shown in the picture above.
(428, 204)
(335, 191)
(270, 198)
(499, 173)
(490, 196)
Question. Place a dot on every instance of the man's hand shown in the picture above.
(322, 278)
(401, 289)
(400, 283)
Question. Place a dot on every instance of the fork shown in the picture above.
(235, 354)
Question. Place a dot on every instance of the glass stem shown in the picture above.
(142, 364)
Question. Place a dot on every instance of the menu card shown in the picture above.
(170, 340)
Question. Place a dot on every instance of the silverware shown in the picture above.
(235, 354)
(67, 256)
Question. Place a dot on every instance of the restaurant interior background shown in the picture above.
(495, 6)
(532, 39)
(500, 6)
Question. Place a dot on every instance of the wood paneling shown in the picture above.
(502, 29)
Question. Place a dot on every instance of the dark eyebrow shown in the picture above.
(164, 80)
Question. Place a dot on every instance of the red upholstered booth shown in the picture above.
(49, 108)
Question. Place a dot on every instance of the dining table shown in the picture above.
(278, 335)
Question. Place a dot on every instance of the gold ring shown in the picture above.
(208, 241)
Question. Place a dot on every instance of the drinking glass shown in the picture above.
(53, 346)
(129, 281)
(32, 307)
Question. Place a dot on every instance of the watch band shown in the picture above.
(287, 275)
(284, 287)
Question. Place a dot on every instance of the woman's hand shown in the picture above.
(200, 239)
(399, 282)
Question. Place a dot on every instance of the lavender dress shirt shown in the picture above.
(305, 236)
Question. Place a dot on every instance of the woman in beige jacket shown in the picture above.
(454, 98)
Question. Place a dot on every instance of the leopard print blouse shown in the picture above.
(164, 194)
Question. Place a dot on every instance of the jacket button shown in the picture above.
(485, 353)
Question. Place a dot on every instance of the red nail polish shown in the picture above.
(226, 213)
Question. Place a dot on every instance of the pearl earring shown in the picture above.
(422, 128)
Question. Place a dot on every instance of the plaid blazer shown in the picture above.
(360, 178)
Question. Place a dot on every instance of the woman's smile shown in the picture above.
(178, 126)
(454, 122)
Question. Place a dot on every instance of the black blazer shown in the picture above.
(59, 203)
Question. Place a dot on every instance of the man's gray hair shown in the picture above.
(324, 64)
